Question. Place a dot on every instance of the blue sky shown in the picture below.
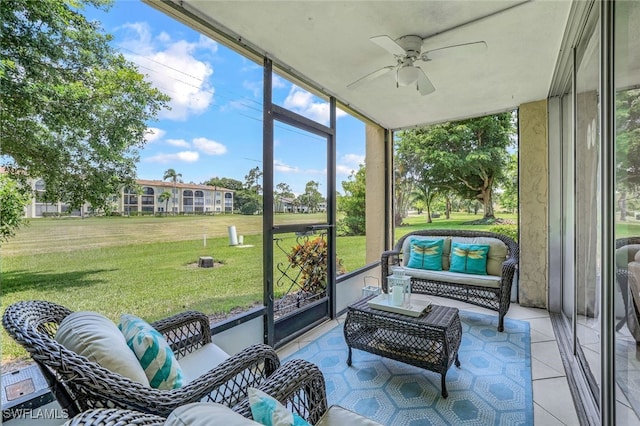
(214, 126)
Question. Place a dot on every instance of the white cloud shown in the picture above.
(342, 169)
(179, 143)
(355, 159)
(255, 87)
(164, 37)
(278, 82)
(171, 66)
(282, 167)
(205, 42)
(153, 134)
(349, 163)
(209, 147)
(183, 156)
(303, 103)
(279, 166)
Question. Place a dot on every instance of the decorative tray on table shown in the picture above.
(417, 305)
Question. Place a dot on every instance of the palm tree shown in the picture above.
(165, 196)
(171, 174)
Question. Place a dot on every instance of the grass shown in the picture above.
(144, 265)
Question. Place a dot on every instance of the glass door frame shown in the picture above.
(278, 334)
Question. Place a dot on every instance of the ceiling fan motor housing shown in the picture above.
(412, 44)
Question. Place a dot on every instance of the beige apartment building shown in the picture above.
(186, 198)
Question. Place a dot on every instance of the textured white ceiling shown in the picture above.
(328, 43)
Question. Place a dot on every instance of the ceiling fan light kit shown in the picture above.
(407, 75)
(407, 50)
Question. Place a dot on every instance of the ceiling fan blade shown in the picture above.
(388, 44)
(371, 76)
(425, 86)
(455, 50)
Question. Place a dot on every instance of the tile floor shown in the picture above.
(553, 404)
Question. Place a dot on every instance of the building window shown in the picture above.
(130, 201)
(187, 200)
(198, 201)
(147, 199)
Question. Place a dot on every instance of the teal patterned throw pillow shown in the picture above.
(268, 411)
(152, 350)
(469, 258)
(426, 254)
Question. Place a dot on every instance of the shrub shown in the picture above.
(510, 231)
(311, 258)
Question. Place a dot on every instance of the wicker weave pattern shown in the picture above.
(297, 384)
(300, 386)
(114, 417)
(632, 314)
(497, 299)
(79, 384)
(430, 341)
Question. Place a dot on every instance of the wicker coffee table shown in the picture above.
(430, 341)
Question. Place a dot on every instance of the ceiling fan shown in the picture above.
(408, 50)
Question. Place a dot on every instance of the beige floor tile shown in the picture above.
(542, 417)
(554, 397)
(540, 370)
(547, 353)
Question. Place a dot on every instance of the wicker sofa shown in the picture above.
(492, 290)
(80, 384)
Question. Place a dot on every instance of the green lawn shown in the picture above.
(144, 265)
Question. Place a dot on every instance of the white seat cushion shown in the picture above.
(199, 362)
(96, 337)
(205, 414)
(455, 277)
(339, 416)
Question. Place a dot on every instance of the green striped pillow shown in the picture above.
(152, 350)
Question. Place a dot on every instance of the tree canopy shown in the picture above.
(627, 146)
(466, 156)
(311, 198)
(13, 199)
(353, 204)
(227, 183)
(74, 111)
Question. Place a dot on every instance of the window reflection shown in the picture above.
(627, 302)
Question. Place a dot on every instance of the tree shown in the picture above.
(425, 193)
(353, 204)
(227, 183)
(252, 180)
(402, 183)
(627, 146)
(164, 198)
(173, 175)
(508, 198)
(74, 112)
(250, 197)
(13, 200)
(311, 197)
(282, 191)
(467, 156)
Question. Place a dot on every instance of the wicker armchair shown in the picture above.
(628, 284)
(298, 384)
(114, 417)
(80, 384)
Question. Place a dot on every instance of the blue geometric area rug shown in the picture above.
(491, 387)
